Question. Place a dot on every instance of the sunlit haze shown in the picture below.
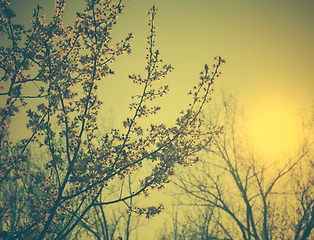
(268, 45)
(273, 129)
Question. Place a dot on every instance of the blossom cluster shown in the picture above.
(65, 65)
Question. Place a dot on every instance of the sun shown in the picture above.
(273, 129)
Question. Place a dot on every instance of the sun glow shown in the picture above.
(273, 129)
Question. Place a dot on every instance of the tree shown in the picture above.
(113, 221)
(302, 185)
(192, 222)
(248, 195)
(64, 65)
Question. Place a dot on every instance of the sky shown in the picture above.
(268, 45)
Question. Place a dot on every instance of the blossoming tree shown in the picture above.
(69, 62)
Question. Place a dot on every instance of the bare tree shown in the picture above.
(247, 191)
(194, 222)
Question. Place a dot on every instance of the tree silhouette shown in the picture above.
(64, 64)
(248, 196)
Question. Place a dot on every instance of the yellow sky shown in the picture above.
(269, 47)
